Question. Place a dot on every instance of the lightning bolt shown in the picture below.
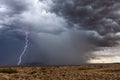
(24, 49)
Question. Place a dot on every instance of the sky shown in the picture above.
(59, 32)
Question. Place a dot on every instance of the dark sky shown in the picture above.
(61, 32)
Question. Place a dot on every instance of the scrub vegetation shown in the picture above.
(84, 72)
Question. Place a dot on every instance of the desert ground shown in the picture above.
(83, 72)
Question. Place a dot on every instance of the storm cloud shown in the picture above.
(61, 32)
(102, 17)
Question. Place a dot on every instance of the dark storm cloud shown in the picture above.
(61, 32)
(102, 17)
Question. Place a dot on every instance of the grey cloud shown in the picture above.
(61, 32)
(99, 16)
(15, 6)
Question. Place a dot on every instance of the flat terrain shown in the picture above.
(85, 72)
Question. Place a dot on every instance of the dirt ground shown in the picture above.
(85, 72)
